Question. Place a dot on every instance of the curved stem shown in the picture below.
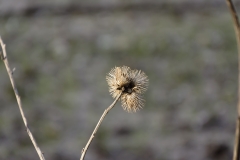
(84, 150)
(10, 72)
(236, 152)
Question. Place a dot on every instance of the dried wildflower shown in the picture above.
(132, 83)
(132, 102)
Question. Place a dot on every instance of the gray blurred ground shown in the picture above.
(62, 58)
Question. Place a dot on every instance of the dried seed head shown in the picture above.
(117, 78)
(132, 102)
(132, 83)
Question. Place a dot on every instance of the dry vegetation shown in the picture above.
(61, 62)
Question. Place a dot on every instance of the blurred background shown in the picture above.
(62, 51)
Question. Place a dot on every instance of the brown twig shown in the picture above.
(10, 72)
(236, 153)
(84, 150)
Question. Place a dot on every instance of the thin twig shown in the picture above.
(84, 150)
(236, 153)
(9, 71)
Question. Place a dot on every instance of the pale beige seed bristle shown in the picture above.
(133, 83)
(116, 79)
(132, 102)
(140, 80)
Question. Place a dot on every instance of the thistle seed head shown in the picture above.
(132, 102)
(132, 83)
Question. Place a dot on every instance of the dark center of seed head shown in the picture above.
(128, 88)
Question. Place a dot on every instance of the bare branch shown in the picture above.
(84, 150)
(10, 71)
(236, 153)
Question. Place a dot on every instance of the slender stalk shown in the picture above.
(236, 152)
(10, 72)
(84, 150)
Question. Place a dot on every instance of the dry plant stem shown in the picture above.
(84, 150)
(236, 152)
(9, 71)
